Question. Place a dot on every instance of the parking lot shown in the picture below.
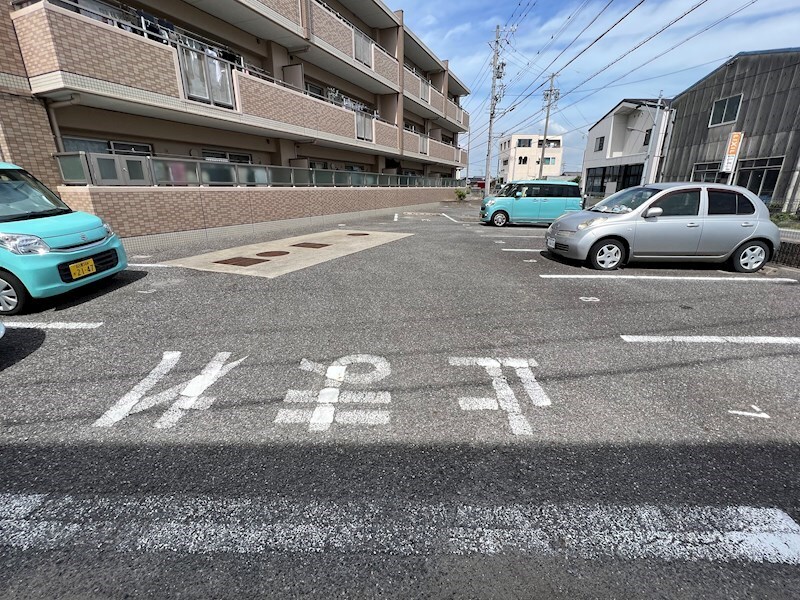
(402, 405)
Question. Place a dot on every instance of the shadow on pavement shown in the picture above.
(18, 344)
(87, 293)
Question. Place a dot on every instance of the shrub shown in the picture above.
(460, 194)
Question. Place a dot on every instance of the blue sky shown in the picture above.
(461, 32)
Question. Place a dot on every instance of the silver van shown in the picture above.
(706, 222)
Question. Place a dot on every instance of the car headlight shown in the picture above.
(23, 244)
(592, 223)
(107, 227)
(491, 202)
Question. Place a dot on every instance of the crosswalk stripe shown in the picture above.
(208, 524)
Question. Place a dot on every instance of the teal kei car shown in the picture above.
(45, 247)
(531, 202)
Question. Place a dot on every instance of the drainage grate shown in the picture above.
(310, 245)
(273, 253)
(357, 234)
(241, 261)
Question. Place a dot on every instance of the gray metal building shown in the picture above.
(758, 95)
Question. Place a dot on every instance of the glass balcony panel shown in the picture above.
(217, 174)
(357, 179)
(371, 179)
(73, 168)
(341, 178)
(175, 171)
(252, 175)
(280, 175)
(303, 177)
(323, 178)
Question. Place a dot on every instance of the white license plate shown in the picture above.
(551, 242)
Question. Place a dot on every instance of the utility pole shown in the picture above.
(551, 96)
(492, 106)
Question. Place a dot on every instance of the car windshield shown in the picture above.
(23, 197)
(625, 201)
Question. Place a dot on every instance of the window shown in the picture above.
(234, 157)
(647, 135)
(524, 143)
(523, 160)
(723, 202)
(550, 143)
(599, 143)
(725, 110)
(708, 173)
(549, 160)
(505, 162)
(679, 204)
(760, 176)
(72, 144)
(315, 90)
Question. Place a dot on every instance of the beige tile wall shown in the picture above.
(25, 137)
(263, 99)
(386, 66)
(440, 150)
(288, 8)
(332, 30)
(10, 57)
(385, 134)
(147, 211)
(437, 100)
(56, 40)
(411, 83)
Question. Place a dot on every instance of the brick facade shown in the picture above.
(452, 110)
(56, 40)
(26, 138)
(10, 57)
(411, 83)
(410, 142)
(437, 100)
(263, 99)
(147, 211)
(385, 134)
(330, 29)
(440, 150)
(386, 66)
(287, 8)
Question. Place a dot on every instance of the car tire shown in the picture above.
(750, 257)
(13, 295)
(607, 255)
(500, 219)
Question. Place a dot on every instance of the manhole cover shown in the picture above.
(273, 253)
(241, 261)
(310, 245)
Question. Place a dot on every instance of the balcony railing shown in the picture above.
(82, 168)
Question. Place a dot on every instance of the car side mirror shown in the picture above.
(518, 195)
(656, 211)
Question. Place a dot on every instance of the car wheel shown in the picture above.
(13, 295)
(750, 257)
(499, 219)
(607, 255)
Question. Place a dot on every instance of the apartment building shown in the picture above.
(626, 147)
(177, 115)
(520, 155)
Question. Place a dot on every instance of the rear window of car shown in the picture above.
(724, 202)
(561, 191)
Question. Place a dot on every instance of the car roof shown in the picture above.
(4, 165)
(671, 184)
(543, 181)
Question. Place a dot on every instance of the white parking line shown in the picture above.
(451, 218)
(154, 265)
(743, 279)
(200, 524)
(710, 339)
(54, 325)
(520, 250)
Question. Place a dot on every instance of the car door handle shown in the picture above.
(747, 224)
(693, 225)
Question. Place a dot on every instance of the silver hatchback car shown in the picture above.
(670, 222)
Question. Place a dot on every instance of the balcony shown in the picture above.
(340, 35)
(442, 151)
(116, 170)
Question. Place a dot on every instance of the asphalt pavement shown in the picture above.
(447, 413)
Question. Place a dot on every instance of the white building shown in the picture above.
(625, 148)
(520, 155)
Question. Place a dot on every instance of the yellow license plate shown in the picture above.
(82, 269)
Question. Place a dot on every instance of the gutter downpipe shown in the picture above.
(51, 116)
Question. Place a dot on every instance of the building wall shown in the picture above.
(147, 211)
(769, 116)
(515, 171)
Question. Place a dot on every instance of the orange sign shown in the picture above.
(734, 145)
